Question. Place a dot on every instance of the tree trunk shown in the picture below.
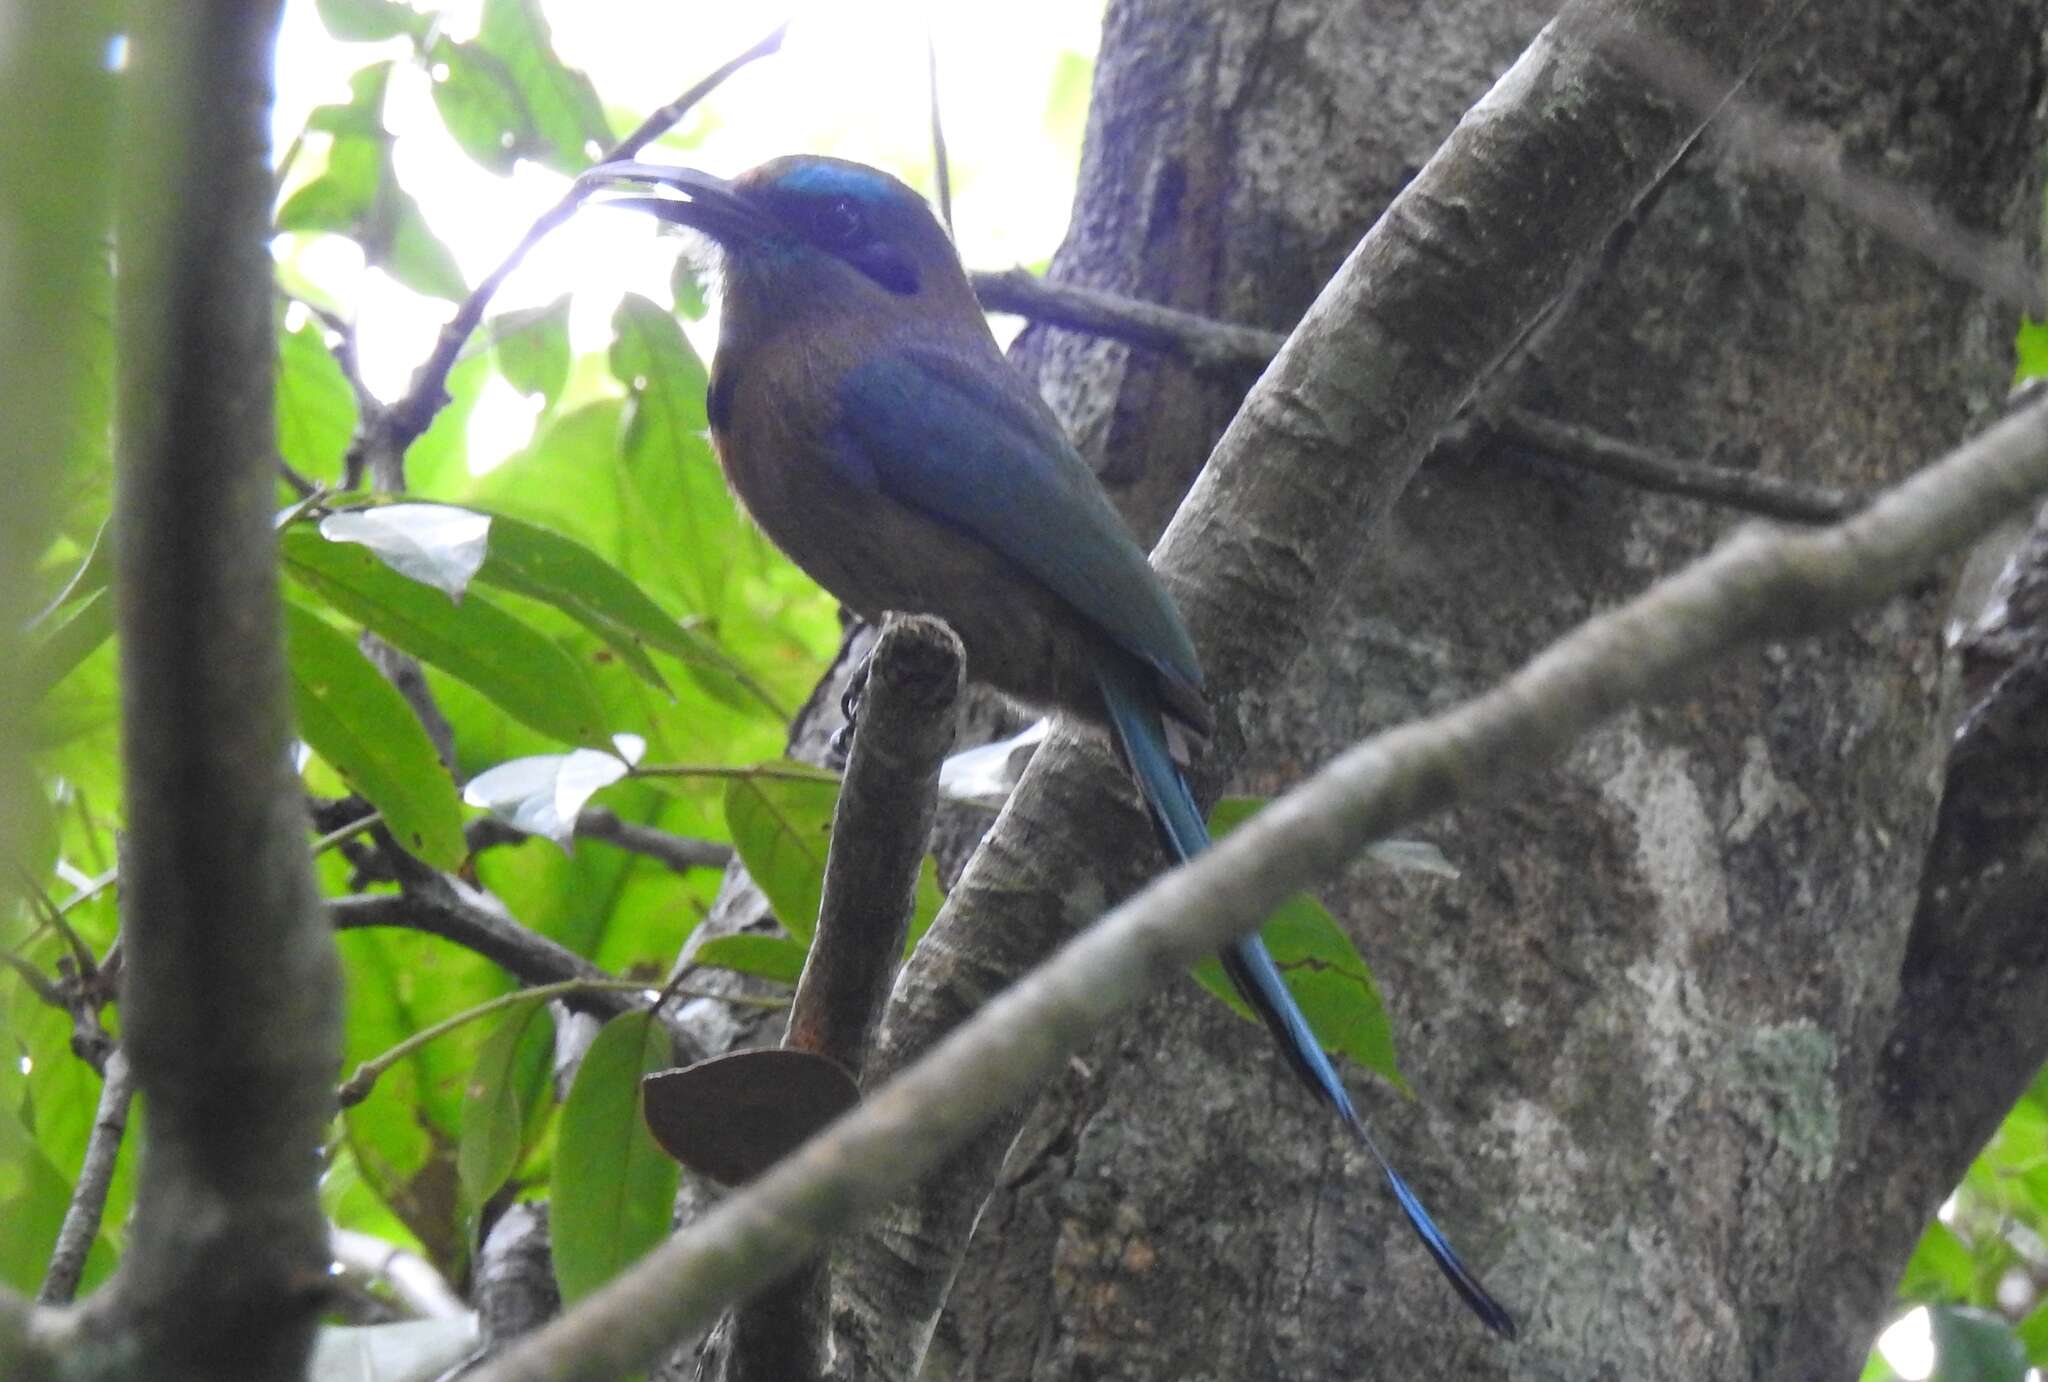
(1645, 1027)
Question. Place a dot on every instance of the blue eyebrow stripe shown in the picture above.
(827, 180)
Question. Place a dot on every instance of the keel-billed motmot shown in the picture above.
(867, 419)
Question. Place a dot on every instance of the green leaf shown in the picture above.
(634, 512)
(665, 421)
(316, 407)
(613, 1186)
(2031, 345)
(357, 721)
(567, 118)
(90, 577)
(782, 826)
(480, 105)
(346, 190)
(413, 254)
(71, 637)
(403, 1138)
(1322, 967)
(437, 465)
(532, 561)
(368, 21)
(532, 346)
(1973, 1345)
(543, 565)
(1940, 1269)
(2032, 1333)
(1066, 103)
(779, 958)
(925, 907)
(359, 195)
(518, 668)
(493, 1123)
(33, 1198)
(686, 284)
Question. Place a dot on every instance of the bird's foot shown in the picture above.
(849, 705)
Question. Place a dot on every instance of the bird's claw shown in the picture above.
(841, 743)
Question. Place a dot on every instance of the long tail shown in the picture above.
(1133, 709)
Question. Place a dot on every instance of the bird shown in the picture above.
(868, 421)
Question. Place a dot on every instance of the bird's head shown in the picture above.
(804, 231)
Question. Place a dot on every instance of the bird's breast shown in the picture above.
(787, 459)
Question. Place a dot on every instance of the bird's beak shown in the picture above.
(714, 205)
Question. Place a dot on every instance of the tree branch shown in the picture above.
(89, 1193)
(1204, 345)
(1751, 491)
(383, 435)
(1213, 347)
(880, 832)
(231, 1007)
(1758, 586)
(679, 852)
(477, 921)
(515, 1277)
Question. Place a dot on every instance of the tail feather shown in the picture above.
(1134, 712)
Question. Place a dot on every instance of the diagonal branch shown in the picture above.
(383, 434)
(89, 1193)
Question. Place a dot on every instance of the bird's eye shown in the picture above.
(841, 224)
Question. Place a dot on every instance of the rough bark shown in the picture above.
(1645, 1026)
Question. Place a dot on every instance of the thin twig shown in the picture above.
(380, 443)
(301, 485)
(342, 347)
(53, 916)
(447, 907)
(1810, 156)
(89, 1194)
(679, 852)
(346, 832)
(787, 772)
(90, 891)
(49, 992)
(477, 921)
(1204, 345)
(357, 1087)
(1748, 490)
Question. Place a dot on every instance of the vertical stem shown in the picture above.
(231, 1008)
